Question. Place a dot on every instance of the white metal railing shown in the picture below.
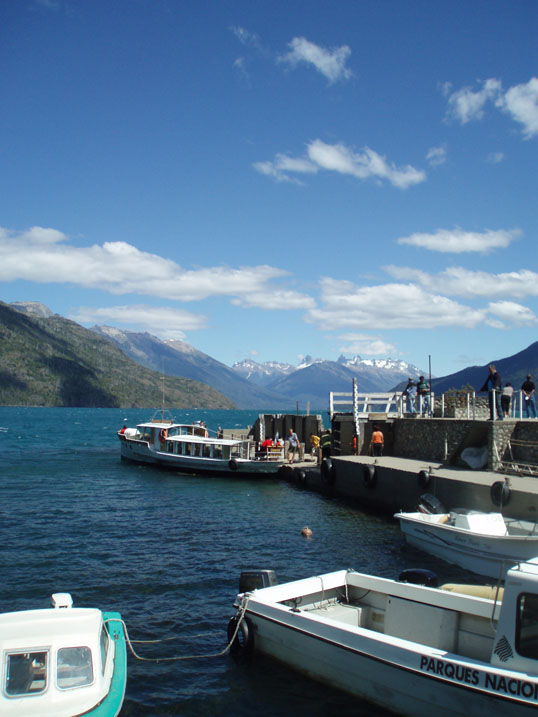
(395, 404)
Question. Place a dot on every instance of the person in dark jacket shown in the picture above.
(493, 385)
(529, 402)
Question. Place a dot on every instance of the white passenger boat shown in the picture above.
(411, 649)
(188, 448)
(62, 661)
(485, 543)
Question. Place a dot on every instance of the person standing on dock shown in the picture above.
(506, 398)
(493, 386)
(314, 446)
(293, 445)
(410, 393)
(423, 391)
(377, 442)
(529, 402)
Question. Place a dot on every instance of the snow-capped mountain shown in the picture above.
(313, 379)
(262, 374)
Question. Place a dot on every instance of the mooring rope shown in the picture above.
(240, 614)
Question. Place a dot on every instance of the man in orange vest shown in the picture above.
(377, 442)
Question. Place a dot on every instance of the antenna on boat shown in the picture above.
(162, 404)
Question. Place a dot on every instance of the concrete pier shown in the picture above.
(429, 461)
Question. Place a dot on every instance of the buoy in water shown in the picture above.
(306, 531)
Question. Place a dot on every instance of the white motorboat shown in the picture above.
(189, 448)
(485, 543)
(409, 648)
(62, 661)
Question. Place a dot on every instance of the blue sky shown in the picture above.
(275, 179)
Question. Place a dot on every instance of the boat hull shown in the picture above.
(386, 677)
(141, 452)
(326, 642)
(486, 555)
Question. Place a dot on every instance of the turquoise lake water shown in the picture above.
(166, 551)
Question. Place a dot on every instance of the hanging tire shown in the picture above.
(424, 479)
(369, 476)
(328, 471)
(299, 475)
(500, 493)
(243, 643)
(232, 464)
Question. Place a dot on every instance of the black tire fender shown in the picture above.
(232, 464)
(243, 642)
(369, 475)
(328, 471)
(500, 493)
(424, 478)
(299, 475)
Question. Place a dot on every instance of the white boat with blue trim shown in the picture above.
(410, 648)
(189, 448)
(62, 661)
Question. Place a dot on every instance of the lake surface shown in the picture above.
(166, 551)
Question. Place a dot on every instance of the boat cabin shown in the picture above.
(56, 661)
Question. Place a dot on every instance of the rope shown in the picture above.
(240, 613)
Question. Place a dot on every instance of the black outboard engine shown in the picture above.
(419, 576)
(428, 503)
(256, 579)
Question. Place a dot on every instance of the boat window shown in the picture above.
(527, 625)
(226, 452)
(26, 673)
(170, 446)
(217, 451)
(207, 451)
(74, 667)
(197, 451)
(187, 449)
(103, 643)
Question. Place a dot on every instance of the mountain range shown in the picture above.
(266, 386)
(47, 360)
(58, 362)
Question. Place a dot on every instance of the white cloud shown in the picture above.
(512, 312)
(162, 321)
(457, 240)
(495, 157)
(391, 306)
(330, 63)
(43, 256)
(521, 102)
(366, 345)
(457, 281)
(245, 37)
(466, 105)
(436, 156)
(339, 158)
(280, 167)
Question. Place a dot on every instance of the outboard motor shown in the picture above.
(256, 579)
(419, 576)
(428, 503)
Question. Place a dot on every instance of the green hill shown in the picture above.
(56, 362)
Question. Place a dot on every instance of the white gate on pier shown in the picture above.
(364, 404)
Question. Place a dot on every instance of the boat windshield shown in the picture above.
(74, 667)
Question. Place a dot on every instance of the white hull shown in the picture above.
(488, 555)
(142, 452)
(369, 652)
